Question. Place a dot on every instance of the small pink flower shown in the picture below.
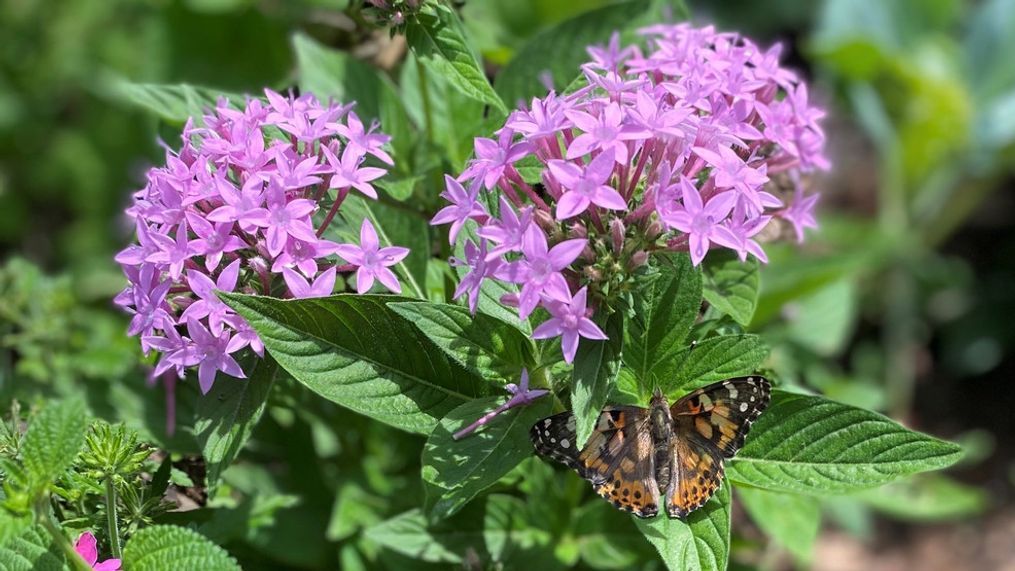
(86, 548)
(373, 261)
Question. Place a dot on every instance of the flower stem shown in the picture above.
(45, 518)
(111, 521)
(424, 94)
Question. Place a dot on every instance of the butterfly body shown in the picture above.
(635, 455)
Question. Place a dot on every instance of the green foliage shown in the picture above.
(732, 286)
(167, 547)
(596, 366)
(807, 444)
(438, 40)
(355, 351)
(32, 550)
(699, 543)
(53, 441)
(456, 471)
(714, 359)
(791, 520)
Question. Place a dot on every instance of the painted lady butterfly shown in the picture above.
(634, 452)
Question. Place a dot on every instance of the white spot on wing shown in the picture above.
(743, 407)
(565, 444)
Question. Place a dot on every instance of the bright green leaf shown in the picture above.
(808, 444)
(172, 103)
(53, 441)
(822, 321)
(596, 366)
(438, 39)
(170, 548)
(227, 416)
(458, 470)
(353, 350)
(714, 359)
(699, 543)
(492, 349)
(661, 318)
(33, 549)
(731, 286)
(791, 520)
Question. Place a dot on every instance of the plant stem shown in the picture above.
(111, 521)
(424, 94)
(45, 518)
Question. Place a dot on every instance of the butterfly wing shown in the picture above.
(709, 424)
(617, 460)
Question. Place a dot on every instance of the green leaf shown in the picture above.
(714, 359)
(11, 525)
(823, 320)
(811, 445)
(227, 416)
(171, 103)
(33, 549)
(608, 538)
(596, 366)
(732, 286)
(701, 543)
(560, 50)
(457, 470)
(661, 318)
(354, 351)
(437, 38)
(53, 441)
(926, 498)
(492, 349)
(789, 519)
(493, 530)
(169, 548)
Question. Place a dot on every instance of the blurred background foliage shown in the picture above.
(901, 303)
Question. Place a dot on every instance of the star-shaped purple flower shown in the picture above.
(373, 261)
(703, 223)
(570, 320)
(463, 206)
(587, 186)
(540, 270)
(322, 286)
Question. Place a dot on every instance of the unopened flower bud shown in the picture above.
(638, 259)
(617, 231)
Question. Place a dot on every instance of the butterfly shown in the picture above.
(635, 453)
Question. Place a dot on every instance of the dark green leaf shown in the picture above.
(731, 286)
(227, 416)
(458, 470)
(662, 315)
(560, 50)
(714, 359)
(483, 344)
(171, 548)
(437, 38)
(53, 441)
(789, 519)
(596, 366)
(33, 549)
(701, 543)
(354, 351)
(808, 444)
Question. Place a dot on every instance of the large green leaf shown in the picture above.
(491, 348)
(701, 543)
(596, 366)
(33, 549)
(732, 286)
(53, 441)
(493, 530)
(791, 520)
(228, 413)
(171, 548)
(808, 444)
(560, 50)
(714, 359)
(437, 38)
(354, 351)
(927, 497)
(458, 470)
(661, 318)
(172, 103)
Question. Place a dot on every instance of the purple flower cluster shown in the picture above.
(243, 207)
(698, 142)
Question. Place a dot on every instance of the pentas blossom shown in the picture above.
(245, 206)
(695, 142)
(87, 548)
